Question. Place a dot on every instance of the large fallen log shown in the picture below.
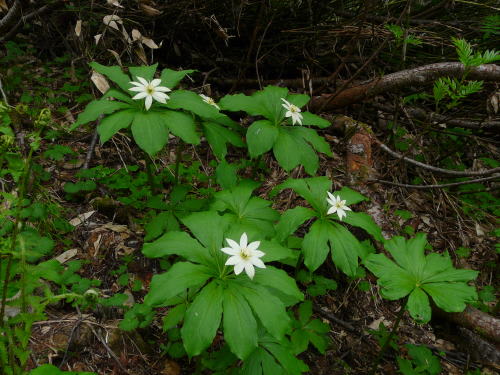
(403, 79)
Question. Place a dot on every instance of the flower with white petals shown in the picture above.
(150, 90)
(244, 255)
(337, 205)
(209, 100)
(292, 111)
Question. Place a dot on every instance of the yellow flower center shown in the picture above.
(294, 109)
(245, 253)
(150, 90)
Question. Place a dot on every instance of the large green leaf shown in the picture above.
(240, 102)
(318, 142)
(177, 279)
(310, 119)
(149, 131)
(117, 94)
(315, 245)
(279, 280)
(290, 363)
(188, 100)
(182, 125)
(345, 249)
(418, 305)
(299, 100)
(275, 251)
(178, 243)
(449, 296)
(308, 157)
(261, 137)
(171, 78)
(364, 221)
(291, 219)
(208, 227)
(287, 151)
(114, 73)
(311, 189)
(110, 125)
(218, 137)
(349, 195)
(202, 319)
(96, 108)
(240, 327)
(268, 308)
(439, 268)
(145, 71)
(270, 103)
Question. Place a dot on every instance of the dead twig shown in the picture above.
(437, 186)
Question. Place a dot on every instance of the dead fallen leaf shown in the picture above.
(3, 5)
(78, 27)
(117, 57)
(149, 42)
(112, 20)
(149, 11)
(136, 35)
(76, 221)
(67, 255)
(115, 3)
(99, 81)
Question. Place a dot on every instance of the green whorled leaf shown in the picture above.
(145, 71)
(300, 341)
(274, 278)
(259, 209)
(190, 101)
(350, 196)
(364, 221)
(439, 268)
(176, 280)
(175, 316)
(114, 73)
(97, 108)
(48, 369)
(266, 102)
(178, 243)
(226, 174)
(308, 157)
(159, 224)
(271, 313)
(290, 363)
(409, 254)
(117, 94)
(218, 137)
(149, 131)
(182, 125)
(299, 100)
(345, 249)
(394, 280)
(315, 245)
(240, 326)
(269, 365)
(418, 306)
(253, 364)
(311, 136)
(311, 189)
(110, 125)
(261, 137)
(208, 227)
(237, 198)
(274, 251)
(449, 296)
(202, 319)
(171, 78)
(287, 150)
(291, 219)
(310, 119)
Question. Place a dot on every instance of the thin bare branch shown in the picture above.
(437, 186)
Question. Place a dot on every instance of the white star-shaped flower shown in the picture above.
(209, 100)
(337, 205)
(292, 111)
(244, 255)
(150, 90)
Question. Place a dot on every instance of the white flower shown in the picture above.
(150, 90)
(337, 205)
(244, 255)
(209, 100)
(292, 111)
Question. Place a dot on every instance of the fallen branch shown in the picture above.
(436, 169)
(405, 78)
(437, 186)
(423, 115)
(11, 17)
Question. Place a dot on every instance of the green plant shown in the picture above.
(326, 234)
(419, 276)
(401, 38)
(422, 362)
(308, 330)
(291, 145)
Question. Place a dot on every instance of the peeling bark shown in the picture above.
(405, 78)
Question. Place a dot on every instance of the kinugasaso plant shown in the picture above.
(153, 109)
(327, 234)
(282, 128)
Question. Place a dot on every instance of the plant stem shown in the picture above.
(178, 158)
(149, 171)
(389, 338)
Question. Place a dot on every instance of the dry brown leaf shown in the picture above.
(149, 10)
(139, 51)
(97, 37)
(115, 3)
(149, 42)
(67, 255)
(136, 35)
(99, 81)
(117, 56)
(3, 6)
(112, 20)
(78, 27)
(76, 221)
